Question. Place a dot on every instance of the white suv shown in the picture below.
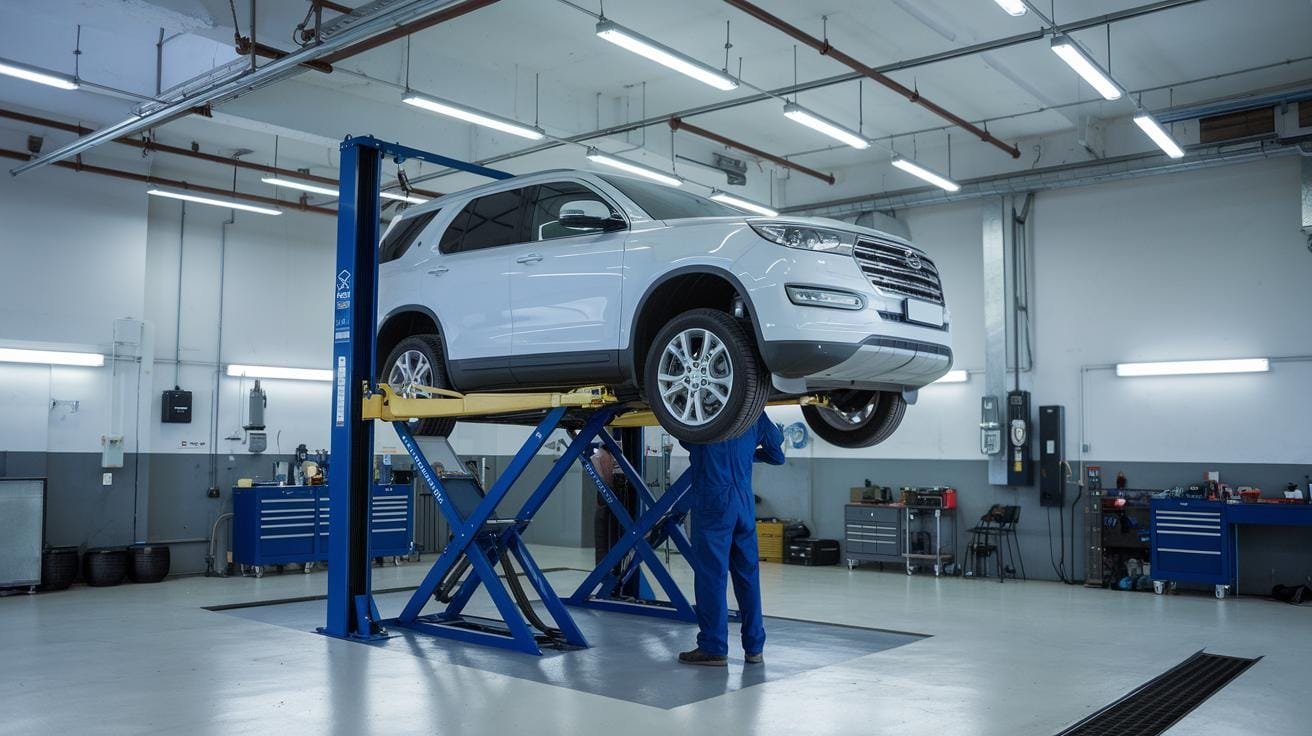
(570, 278)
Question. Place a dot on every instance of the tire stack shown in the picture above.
(105, 566)
(59, 567)
(149, 563)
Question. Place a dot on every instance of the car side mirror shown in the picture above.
(590, 215)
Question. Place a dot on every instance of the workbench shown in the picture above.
(1197, 541)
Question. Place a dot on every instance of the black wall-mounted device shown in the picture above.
(175, 407)
(1052, 455)
(1020, 462)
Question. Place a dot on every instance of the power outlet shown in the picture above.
(106, 479)
(212, 493)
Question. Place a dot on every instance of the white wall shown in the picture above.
(1194, 265)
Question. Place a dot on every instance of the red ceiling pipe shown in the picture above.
(265, 51)
(912, 95)
(175, 183)
(176, 151)
(335, 7)
(401, 31)
(679, 124)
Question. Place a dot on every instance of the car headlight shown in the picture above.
(805, 237)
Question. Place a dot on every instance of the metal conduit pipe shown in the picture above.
(382, 24)
(1055, 177)
(175, 183)
(146, 145)
(679, 124)
(914, 96)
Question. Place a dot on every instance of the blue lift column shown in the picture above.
(351, 609)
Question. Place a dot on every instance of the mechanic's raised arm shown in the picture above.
(769, 441)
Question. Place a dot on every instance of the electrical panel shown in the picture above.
(175, 407)
(1052, 455)
(1020, 461)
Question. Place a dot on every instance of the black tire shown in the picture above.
(105, 566)
(749, 381)
(859, 419)
(59, 567)
(430, 348)
(149, 563)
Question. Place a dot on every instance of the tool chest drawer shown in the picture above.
(1190, 541)
(872, 533)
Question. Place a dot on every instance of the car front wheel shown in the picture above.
(704, 379)
(415, 363)
(856, 419)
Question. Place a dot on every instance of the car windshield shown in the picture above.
(667, 203)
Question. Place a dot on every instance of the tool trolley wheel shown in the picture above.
(856, 419)
(416, 361)
(1221, 591)
(704, 378)
(1159, 587)
(309, 568)
(258, 570)
(851, 564)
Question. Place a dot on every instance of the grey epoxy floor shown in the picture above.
(1019, 658)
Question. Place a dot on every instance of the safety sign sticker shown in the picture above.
(341, 391)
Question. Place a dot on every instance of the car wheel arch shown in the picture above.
(651, 312)
(404, 321)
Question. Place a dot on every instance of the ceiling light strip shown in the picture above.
(639, 44)
(615, 162)
(743, 204)
(214, 201)
(1078, 59)
(31, 73)
(915, 169)
(1154, 130)
(842, 134)
(470, 115)
(238, 370)
(1194, 367)
(51, 357)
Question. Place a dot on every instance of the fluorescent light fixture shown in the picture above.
(797, 113)
(402, 197)
(664, 55)
(1194, 367)
(469, 115)
(916, 169)
(274, 371)
(954, 376)
(1153, 129)
(33, 74)
(301, 185)
(1084, 65)
(332, 191)
(1013, 7)
(50, 357)
(229, 203)
(742, 204)
(647, 172)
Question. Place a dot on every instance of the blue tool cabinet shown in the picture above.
(1191, 543)
(285, 525)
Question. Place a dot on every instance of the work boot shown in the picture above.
(699, 657)
(758, 658)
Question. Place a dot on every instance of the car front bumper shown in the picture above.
(876, 363)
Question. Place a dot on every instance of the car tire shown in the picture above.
(733, 387)
(418, 360)
(858, 418)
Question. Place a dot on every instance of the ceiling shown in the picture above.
(490, 59)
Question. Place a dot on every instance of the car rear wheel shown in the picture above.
(856, 419)
(704, 378)
(417, 362)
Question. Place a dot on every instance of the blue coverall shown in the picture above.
(724, 534)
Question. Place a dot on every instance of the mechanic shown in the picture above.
(724, 540)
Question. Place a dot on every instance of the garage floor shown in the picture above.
(1017, 658)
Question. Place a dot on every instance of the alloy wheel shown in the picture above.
(695, 376)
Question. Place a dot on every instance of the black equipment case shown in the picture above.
(812, 552)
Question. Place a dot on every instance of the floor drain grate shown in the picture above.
(1157, 704)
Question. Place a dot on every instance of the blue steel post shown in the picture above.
(349, 604)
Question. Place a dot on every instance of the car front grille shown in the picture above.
(898, 270)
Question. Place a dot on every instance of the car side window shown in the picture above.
(399, 239)
(544, 212)
(487, 222)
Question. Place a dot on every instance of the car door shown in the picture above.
(566, 285)
(469, 287)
